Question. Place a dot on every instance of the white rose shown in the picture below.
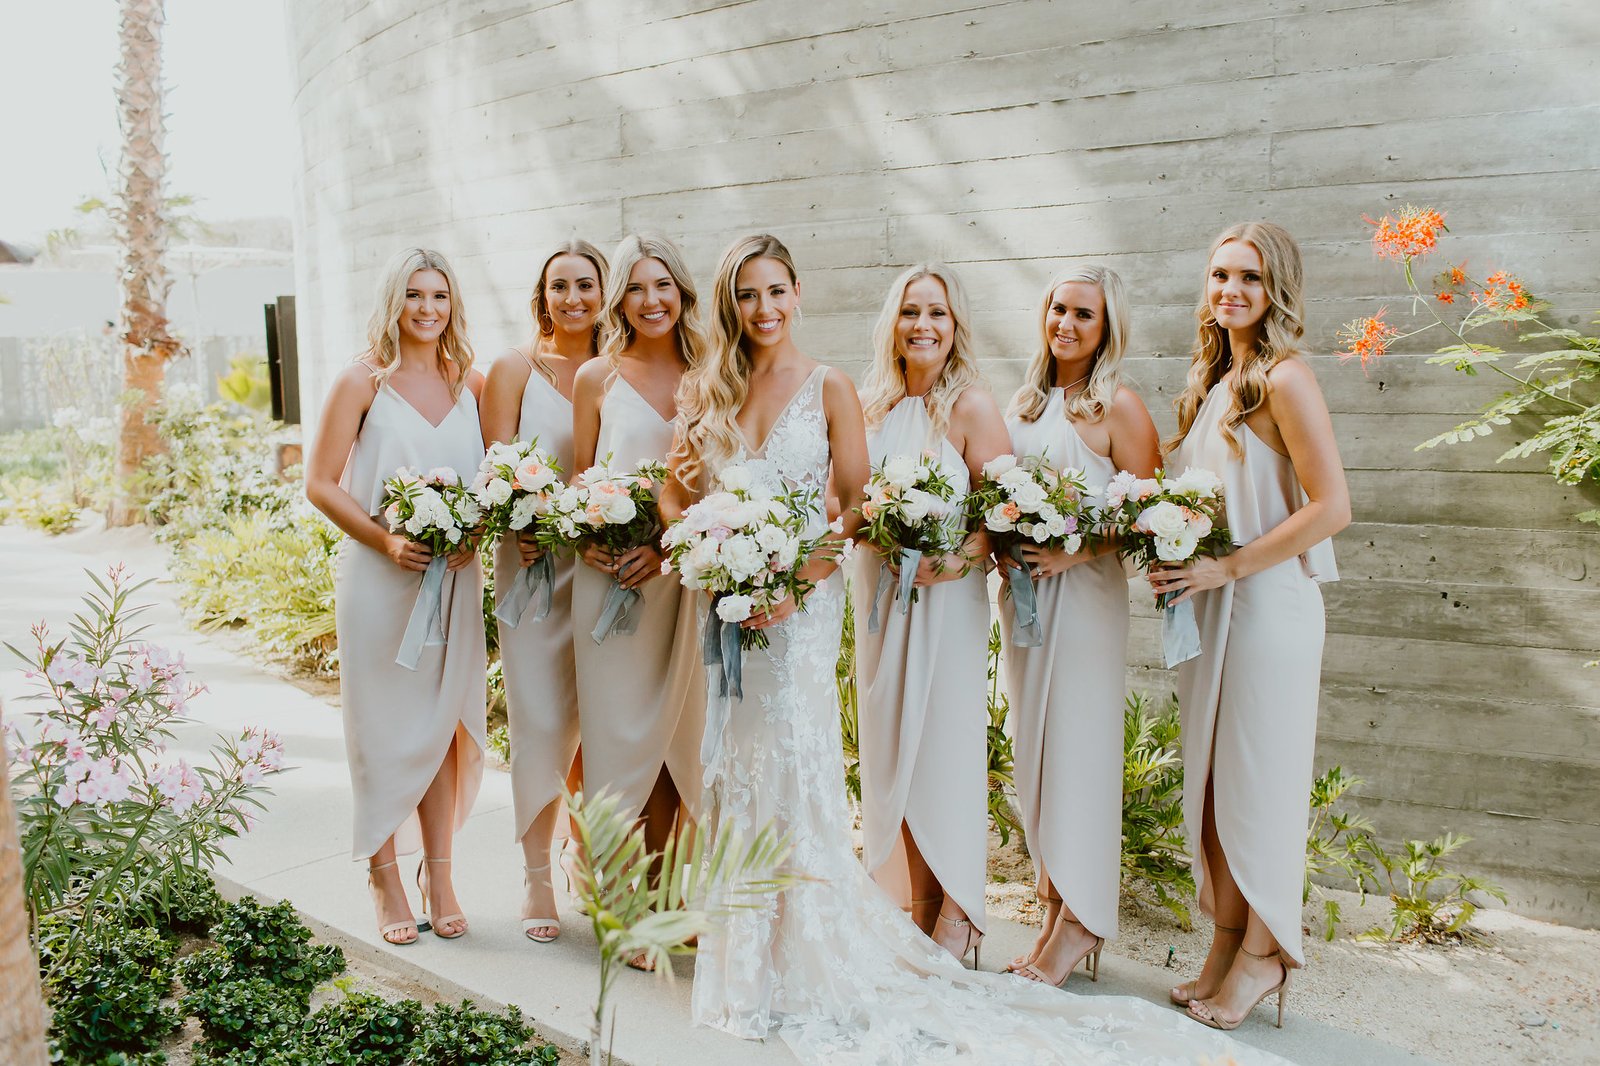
(1029, 496)
(497, 492)
(416, 524)
(1175, 549)
(735, 479)
(1014, 478)
(771, 538)
(1040, 532)
(1199, 525)
(619, 510)
(1164, 520)
(789, 551)
(915, 505)
(741, 556)
(997, 521)
(900, 471)
(1055, 526)
(1000, 464)
(734, 608)
(703, 556)
(1073, 543)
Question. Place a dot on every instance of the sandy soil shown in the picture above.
(1530, 993)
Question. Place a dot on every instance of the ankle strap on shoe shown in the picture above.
(1269, 955)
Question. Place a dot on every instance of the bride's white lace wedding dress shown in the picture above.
(837, 969)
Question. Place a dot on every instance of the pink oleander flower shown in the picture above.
(178, 785)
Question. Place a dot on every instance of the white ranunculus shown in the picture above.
(734, 607)
(741, 555)
(1197, 481)
(1029, 496)
(1175, 549)
(1164, 520)
(900, 471)
(735, 479)
(1000, 464)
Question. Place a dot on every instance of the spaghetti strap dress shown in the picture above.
(398, 723)
(1067, 702)
(1249, 701)
(641, 695)
(536, 655)
(922, 680)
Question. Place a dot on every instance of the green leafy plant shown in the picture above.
(109, 821)
(1155, 860)
(362, 1030)
(1559, 387)
(1338, 843)
(1002, 761)
(245, 1013)
(271, 941)
(105, 995)
(246, 382)
(41, 505)
(1430, 900)
(466, 1035)
(651, 904)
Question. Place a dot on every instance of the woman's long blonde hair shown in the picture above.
(1278, 339)
(1094, 401)
(544, 323)
(383, 328)
(710, 394)
(885, 384)
(615, 332)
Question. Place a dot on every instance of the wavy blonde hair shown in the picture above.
(544, 323)
(711, 394)
(383, 328)
(885, 384)
(1279, 338)
(615, 332)
(1095, 400)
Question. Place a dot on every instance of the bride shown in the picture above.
(832, 964)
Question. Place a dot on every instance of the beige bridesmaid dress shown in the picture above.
(398, 722)
(1067, 702)
(923, 725)
(641, 695)
(1249, 702)
(536, 655)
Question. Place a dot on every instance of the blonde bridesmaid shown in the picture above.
(1067, 694)
(528, 396)
(923, 674)
(1252, 413)
(641, 695)
(414, 738)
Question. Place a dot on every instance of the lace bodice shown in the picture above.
(795, 454)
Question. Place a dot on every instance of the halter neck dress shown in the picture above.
(1067, 701)
(641, 695)
(398, 723)
(922, 679)
(536, 656)
(1249, 702)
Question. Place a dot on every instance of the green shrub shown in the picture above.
(244, 1013)
(362, 1030)
(1155, 862)
(469, 1036)
(273, 943)
(31, 453)
(1337, 842)
(45, 506)
(1430, 900)
(106, 995)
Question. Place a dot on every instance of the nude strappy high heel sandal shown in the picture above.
(530, 924)
(1090, 959)
(972, 943)
(1016, 964)
(1216, 1021)
(377, 905)
(444, 919)
(1181, 998)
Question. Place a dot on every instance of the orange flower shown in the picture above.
(1503, 293)
(1414, 233)
(1458, 274)
(1368, 338)
(1445, 297)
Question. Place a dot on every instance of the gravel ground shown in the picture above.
(1530, 993)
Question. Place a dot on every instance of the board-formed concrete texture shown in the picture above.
(1007, 138)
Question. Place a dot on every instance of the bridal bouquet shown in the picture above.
(1027, 499)
(514, 485)
(438, 512)
(1169, 520)
(745, 545)
(615, 509)
(909, 501)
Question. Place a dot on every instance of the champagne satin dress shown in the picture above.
(1067, 702)
(922, 681)
(641, 695)
(398, 722)
(1249, 702)
(536, 656)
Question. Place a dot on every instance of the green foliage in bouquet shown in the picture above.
(1155, 861)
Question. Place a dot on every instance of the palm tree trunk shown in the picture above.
(22, 1006)
(140, 217)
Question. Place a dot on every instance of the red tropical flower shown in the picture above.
(1414, 233)
(1446, 297)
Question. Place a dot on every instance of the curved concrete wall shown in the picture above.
(1004, 137)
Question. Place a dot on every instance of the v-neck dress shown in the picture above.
(641, 695)
(1249, 701)
(922, 679)
(1067, 702)
(536, 656)
(398, 723)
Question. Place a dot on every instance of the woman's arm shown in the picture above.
(976, 422)
(500, 405)
(588, 391)
(1299, 413)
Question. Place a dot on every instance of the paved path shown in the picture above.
(301, 849)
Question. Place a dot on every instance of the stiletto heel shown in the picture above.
(444, 919)
(1181, 998)
(1090, 959)
(972, 943)
(530, 924)
(377, 904)
(1216, 1021)
(1016, 964)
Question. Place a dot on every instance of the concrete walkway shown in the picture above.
(301, 849)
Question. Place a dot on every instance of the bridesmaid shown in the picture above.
(529, 396)
(641, 696)
(1252, 413)
(414, 738)
(1067, 695)
(923, 675)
